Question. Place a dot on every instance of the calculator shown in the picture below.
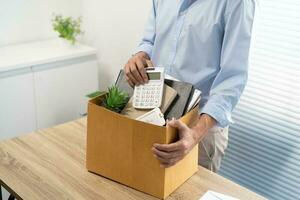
(153, 117)
(149, 95)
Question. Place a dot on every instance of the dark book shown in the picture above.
(184, 93)
(122, 84)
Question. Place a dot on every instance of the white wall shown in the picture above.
(114, 28)
(30, 20)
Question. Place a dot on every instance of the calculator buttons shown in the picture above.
(149, 95)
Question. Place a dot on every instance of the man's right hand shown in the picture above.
(135, 71)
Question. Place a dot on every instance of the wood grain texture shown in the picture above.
(50, 164)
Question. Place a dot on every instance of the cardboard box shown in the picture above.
(119, 148)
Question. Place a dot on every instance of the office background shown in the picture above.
(264, 147)
(113, 27)
(264, 144)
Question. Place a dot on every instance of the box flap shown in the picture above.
(178, 174)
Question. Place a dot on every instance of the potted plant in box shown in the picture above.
(114, 99)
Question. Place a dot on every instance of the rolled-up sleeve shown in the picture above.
(232, 77)
(146, 45)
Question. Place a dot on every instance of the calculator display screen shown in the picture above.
(154, 76)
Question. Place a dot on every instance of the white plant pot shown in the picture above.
(68, 43)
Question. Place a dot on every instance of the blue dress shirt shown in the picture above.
(205, 43)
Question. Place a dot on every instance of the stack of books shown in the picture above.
(178, 98)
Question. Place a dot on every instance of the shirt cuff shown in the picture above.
(147, 48)
(219, 113)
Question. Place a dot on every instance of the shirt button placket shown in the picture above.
(177, 31)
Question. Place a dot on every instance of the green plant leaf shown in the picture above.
(67, 27)
(95, 94)
(115, 99)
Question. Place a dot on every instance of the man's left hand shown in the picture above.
(170, 154)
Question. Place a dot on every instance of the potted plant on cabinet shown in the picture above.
(67, 27)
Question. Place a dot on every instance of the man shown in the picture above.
(205, 43)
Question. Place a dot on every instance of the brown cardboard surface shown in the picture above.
(184, 169)
(119, 148)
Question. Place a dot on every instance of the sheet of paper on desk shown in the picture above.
(210, 195)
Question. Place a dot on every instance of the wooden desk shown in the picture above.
(50, 164)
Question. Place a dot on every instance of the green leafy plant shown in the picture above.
(67, 27)
(115, 99)
(95, 94)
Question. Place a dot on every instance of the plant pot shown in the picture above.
(67, 43)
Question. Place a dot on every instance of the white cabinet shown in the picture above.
(17, 109)
(60, 90)
(43, 84)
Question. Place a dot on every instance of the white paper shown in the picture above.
(167, 76)
(195, 99)
(210, 195)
